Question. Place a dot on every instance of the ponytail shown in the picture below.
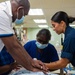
(62, 16)
(71, 19)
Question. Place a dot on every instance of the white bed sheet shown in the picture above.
(23, 71)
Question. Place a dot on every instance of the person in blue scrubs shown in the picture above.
(7, 63)
(60, 22)
(41, 49)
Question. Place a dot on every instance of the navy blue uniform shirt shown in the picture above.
(48, 54)
(5, 59)
(69, 45)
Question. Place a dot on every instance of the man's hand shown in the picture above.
(15, 65)
(39, 65)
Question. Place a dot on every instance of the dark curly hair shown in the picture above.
(44, 32)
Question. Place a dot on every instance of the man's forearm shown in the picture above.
(17, 51)
(21, 56)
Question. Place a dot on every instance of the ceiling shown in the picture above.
(49, 7)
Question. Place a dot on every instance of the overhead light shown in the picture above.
(39, 20)
(35, 12)
(21, 26)
(72, 25)
(43, 26)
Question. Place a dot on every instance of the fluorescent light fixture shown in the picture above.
(39, 20)
(72, 25)
(43, 26)
(35, 12)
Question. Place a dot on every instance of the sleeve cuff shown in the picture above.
(5, 35)
(69, 56)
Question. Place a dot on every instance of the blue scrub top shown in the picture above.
(49, 54)
(69, 45)
(5, 59)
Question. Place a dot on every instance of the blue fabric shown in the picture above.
(5, 35)
(69, 45)
(67, 68)
(5, 58)
(49, 54)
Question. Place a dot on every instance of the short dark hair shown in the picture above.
(44, 32)
(24, 3)
(62, 16)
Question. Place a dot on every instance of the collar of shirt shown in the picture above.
(68, 30)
